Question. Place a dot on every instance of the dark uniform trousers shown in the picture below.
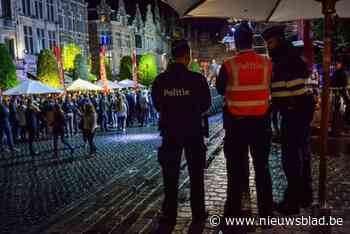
(169, 156)
(295, 128)
(243, 135)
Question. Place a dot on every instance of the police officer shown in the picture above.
(296, 105)
(244, 80)
(181, 97)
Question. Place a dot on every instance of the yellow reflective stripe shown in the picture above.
(295, 82)
(248, 88)
(279, 84)
(287, 84)
(289, 93)
(247, 103)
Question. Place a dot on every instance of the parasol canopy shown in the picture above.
(83, 85)
(29, 87)
(262, 10)
(111, 84)
(129, 84)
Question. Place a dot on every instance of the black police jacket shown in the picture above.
(181, 97)
(288, 68)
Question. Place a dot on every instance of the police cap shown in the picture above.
(243, 31)
(180, 48)
(274, 32)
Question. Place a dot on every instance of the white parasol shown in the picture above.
(29, 87)
(129, 84)
(83, 85)
(111, 84)
(257, 10)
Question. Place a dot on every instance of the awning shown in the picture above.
(257, 10)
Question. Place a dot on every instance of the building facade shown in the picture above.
(8, 24)
(29, 26)
(123, 34)
(73, 23)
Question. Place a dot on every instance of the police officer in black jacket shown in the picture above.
(296, 105)
(181, 97)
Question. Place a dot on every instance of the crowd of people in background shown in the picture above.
(27, 119)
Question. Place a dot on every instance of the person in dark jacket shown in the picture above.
(131, 100)
(31, 120)
(13, 119)
(296, 105)
(58, 126)
(339, 83)
(5, 126)
(181, 97)
(69, 110)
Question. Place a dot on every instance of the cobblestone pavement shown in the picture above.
(338, 194)
(32, 190)
(77, 193)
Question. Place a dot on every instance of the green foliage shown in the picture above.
(90, 62)
(92, 77)
(147, 69)
(109, 75)
(80, 68)
(48, 72)
(69, 52)
(8, 76)
(195, 67)
(125, 68)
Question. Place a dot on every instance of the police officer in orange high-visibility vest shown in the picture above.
(244, 81)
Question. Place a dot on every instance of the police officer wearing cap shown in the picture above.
(296, 105)
(181, 97)
(244, 81)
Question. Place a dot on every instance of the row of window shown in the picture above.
(71, 23)
(38, 10)
(41, 39)
(107, 39)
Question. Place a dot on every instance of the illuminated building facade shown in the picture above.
(122, 34)
(29, 26)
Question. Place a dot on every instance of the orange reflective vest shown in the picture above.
(248, 86)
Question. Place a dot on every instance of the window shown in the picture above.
(50, 10)
(138, 41)
(6, 8)
(39, 9)
(11, 46)
(52, 39)
(106, 38)
(60, 20)
(118, 39)
(28, 39)
(41, 39)
(70, 22)
(128, 42)
(26, 7)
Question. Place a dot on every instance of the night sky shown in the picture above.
(130, 5)
(214, 26)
